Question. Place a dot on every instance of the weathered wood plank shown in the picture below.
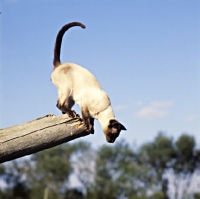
(42, 133)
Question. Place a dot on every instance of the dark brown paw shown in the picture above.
(78, 116)
(71, 114)
(90, 129)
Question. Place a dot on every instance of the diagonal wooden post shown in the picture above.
(39, 134)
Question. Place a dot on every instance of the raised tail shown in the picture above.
(56, 60)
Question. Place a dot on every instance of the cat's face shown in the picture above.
(113, 130)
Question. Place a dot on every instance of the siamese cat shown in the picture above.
(76, 84)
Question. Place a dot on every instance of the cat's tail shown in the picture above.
(56, 60)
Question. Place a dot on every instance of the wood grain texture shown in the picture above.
(39, 134)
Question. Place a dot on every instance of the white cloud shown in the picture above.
(156, 109)
(191, 118)
(151, 113)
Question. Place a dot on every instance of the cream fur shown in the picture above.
(85, 90)
(76, 84)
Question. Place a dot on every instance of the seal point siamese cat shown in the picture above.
(76, 84)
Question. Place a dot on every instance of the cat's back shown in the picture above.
(74, 75)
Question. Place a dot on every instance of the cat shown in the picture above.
(76, 84)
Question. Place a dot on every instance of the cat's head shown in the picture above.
(112, 130)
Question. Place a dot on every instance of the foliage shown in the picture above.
(188, 159)
(197, 196)
(163, 155)
(73, 194)
(157, 195)
(117, 171)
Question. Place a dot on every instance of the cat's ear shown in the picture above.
(117, 125)
(122, 127)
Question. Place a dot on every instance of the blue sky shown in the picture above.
(145, 54)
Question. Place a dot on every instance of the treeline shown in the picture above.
(162, 169)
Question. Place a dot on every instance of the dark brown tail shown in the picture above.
(56, 60)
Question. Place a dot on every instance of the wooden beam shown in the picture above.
(39, 134)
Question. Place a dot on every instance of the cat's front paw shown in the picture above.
(78, 116)
(72, 114)
(90, 129)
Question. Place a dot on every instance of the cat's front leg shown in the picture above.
(88, 121)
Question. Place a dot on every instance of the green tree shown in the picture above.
(163, 155)
(112, 171)
(117, 173)
(157, 195)
(197, 196)
(188, 157)
(187, 162)
(73, 194)
(47, 170)
(16, 188)
(157, 156)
